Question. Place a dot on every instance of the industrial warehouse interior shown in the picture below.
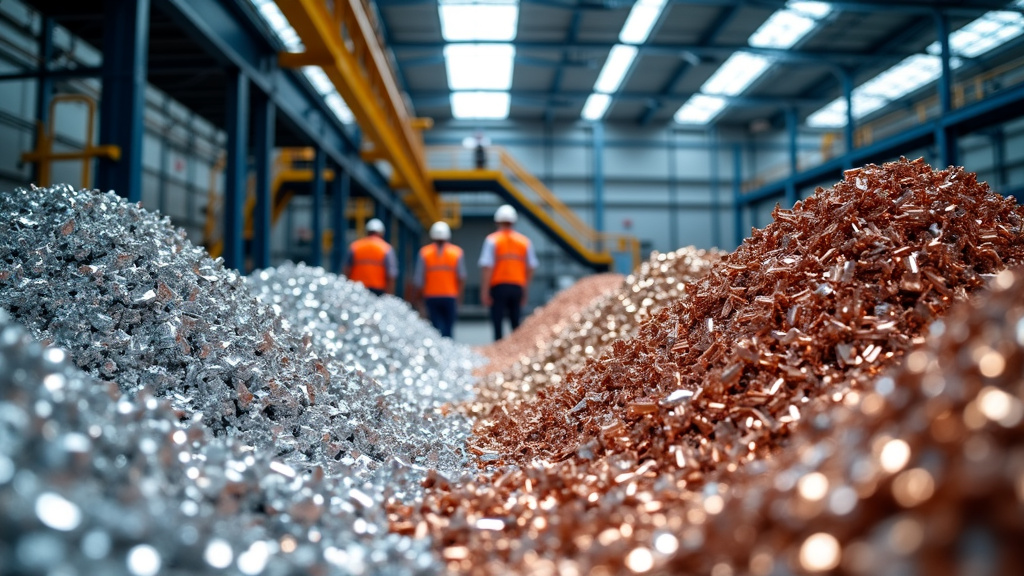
(489, 287)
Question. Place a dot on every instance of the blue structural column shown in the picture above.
(945, 143)
(714, 154)
(598, 177)
(791, 138)
(673, 193)
(263, 149)
(237, 109)
(339, 202)
(316, 257)
(381, 212)
(125, 47)
(44, 88)
(998, 138)
(737, 193)
(851, 127)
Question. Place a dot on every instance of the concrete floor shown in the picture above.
(473, 331)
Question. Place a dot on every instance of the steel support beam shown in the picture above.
(673, 192)
(851, 122)
(737, 194)
(317, 252)
(944, 141)
(339, 202)
(264, 115)
(235, 174)
(714, 157)
(44, 89)
(125, 46)
(598, 136)
(216, 27)
(405, 242)
(792, 123)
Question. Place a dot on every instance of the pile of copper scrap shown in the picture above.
(545, 323)
(623, 466)
(659, 281)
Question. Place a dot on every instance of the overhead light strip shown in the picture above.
(474, 67)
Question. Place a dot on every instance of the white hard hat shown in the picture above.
(506, 213)
(440, 231)
(375, 225)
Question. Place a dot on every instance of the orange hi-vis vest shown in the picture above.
(441, 270)
(368, 262)
(510, 249)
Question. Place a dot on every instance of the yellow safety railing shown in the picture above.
(341, 39)
(44, 156)
(597, 247)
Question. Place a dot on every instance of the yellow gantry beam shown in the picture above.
(345, 45)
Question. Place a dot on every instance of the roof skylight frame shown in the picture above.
(784, 29)
(966, 42)
(470, 20)
(474, 71)
(479, 66)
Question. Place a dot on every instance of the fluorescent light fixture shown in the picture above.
(337, 105)
(323, 85)
(596, 106)
(479, 66)
(641, 19)
(478, 19)
(736, 73)
(834, 114)
(786, 27)
(700, 109)
(984, 34)
(274, 18)
(615, 68)
(482, 105)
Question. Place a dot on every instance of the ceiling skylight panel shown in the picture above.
(786, 27)
(699, 109)
(274, 18)
(978, 37)
(615, 68)
(641, 19)
(596, 106)
(478, 19)
(912, 73)
(736, 73)
(480, 105)
(833, 115)
(479, 66)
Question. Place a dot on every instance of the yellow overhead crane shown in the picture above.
(343, 42)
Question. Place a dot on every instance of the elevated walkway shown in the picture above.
(601, 251)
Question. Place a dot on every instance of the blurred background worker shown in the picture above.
(440, 276)
(371, 261)
(507, 262)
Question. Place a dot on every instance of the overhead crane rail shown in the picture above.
(341, 39)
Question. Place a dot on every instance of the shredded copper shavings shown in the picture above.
(666, 453)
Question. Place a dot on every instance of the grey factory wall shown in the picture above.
(179, 150)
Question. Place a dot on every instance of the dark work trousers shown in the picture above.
(506, 298)
(376, 291)
(441, 312)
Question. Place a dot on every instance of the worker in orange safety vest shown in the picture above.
(439, 277)
(507, 262)
(371, 260)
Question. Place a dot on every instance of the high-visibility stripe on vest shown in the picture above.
(441, 270)
(369, 264)
(510, 252)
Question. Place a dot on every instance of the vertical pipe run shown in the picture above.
(944, 140)
(791, 134)
(737, 193)
(125, 48)
(237, 108)
(598, 177)
(44, 91)
(404, 243)
(714, 154)
(317, 253)
(339, 202)
(263, 150)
